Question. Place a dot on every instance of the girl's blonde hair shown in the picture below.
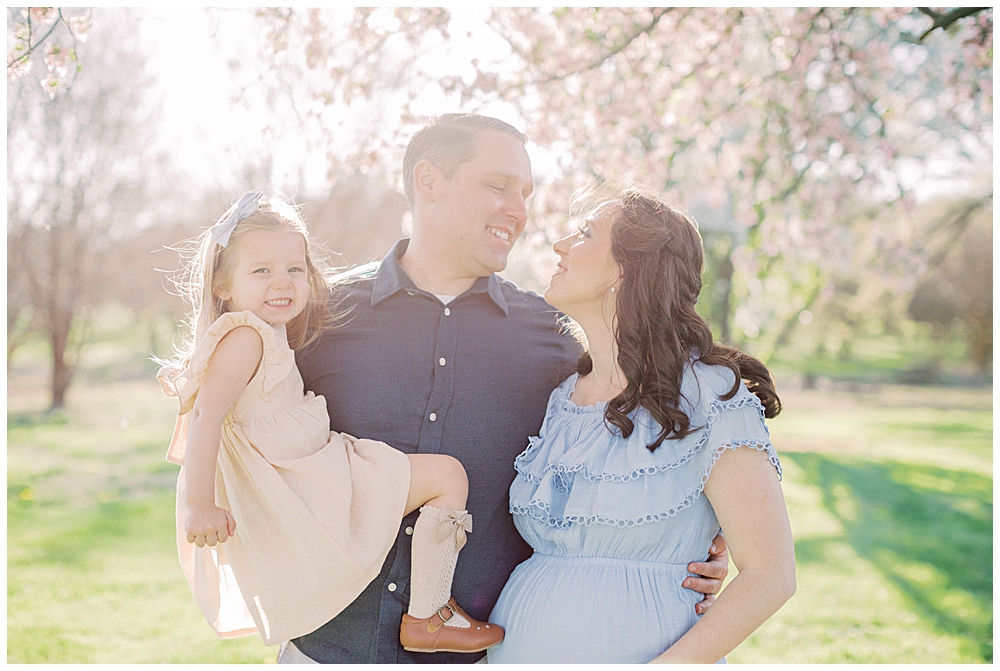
(207, 265)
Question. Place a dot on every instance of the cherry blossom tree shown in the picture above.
(790, 133)
(29, 28)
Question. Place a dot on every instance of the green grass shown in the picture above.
(889, 491)
(101, 584)
(92, 570)
(890, 494)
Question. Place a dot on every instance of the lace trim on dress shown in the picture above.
(558, 494)
(540, 510)
(560, 468)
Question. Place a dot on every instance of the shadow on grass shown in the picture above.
(928, 530)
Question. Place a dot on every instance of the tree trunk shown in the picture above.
(721, 293)
(62, 370)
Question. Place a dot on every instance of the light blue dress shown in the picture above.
(613, 526)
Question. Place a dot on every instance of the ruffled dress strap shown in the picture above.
(577, 470)
(275, 365)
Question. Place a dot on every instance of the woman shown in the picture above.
(609, 494)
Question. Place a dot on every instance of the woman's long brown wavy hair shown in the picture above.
(657, 329)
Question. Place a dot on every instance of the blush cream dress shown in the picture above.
(614, 526)
(316, 511)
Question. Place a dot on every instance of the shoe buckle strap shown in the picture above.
(432, 627)
(446, 607)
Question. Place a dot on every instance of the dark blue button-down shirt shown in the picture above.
(470, 379)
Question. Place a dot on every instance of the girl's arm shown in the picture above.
(233, 364)
(746, 495)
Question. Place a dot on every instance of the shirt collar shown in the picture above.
(390, 278)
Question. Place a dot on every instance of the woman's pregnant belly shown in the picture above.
(591, 610)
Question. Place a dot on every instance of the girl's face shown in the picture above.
(586, 271)
(270, 277)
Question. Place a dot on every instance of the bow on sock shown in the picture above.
(455, 524)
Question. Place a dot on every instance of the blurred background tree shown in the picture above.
(805, 141)
(78, 176)
(836, 159)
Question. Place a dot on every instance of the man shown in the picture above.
(438, 354)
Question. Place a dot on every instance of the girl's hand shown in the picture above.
(208, 524)
(166, 376)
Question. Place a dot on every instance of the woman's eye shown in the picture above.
(295, 269)
(262, 270)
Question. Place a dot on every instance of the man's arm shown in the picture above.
(713, 572)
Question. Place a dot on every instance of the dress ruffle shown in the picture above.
(577, 471)
(276, 363)
(274, 366)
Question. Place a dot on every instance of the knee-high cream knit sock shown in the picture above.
(438, 536)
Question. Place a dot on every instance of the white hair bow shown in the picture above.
(245, 206)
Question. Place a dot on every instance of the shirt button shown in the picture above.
(409, 531)
(392, 587)
(447, 312)
(441, 361)
(433, 416)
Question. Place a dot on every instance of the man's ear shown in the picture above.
(425, 176)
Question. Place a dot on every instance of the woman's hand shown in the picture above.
(208, 524)
(713, 573)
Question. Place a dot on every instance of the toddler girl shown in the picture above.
(282, 523)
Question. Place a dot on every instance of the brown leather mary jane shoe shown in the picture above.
(431, 635)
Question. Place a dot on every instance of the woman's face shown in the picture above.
(587, 272)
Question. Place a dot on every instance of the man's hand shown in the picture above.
(713, 572)
(207, 524)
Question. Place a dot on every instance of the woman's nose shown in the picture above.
(560, 246)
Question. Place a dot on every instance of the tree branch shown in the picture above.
(617, 50)
(957, 227)
(31, 47)
(943, 21)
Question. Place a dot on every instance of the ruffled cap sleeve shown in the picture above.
(579, 471)
(275, 365)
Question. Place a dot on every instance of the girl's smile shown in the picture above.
(270, 277)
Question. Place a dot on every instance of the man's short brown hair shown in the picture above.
(448, 141)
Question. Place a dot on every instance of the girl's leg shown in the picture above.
(439, 487)
(436, 480)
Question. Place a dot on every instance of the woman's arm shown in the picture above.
(746, 495)
(233, 364)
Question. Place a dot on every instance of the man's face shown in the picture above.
(479, 213)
